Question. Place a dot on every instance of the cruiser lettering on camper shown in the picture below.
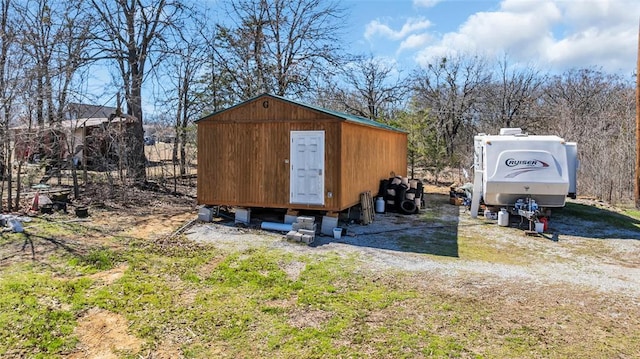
(511, 162)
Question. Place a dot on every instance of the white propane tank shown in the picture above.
(503, 218)
(379, 205)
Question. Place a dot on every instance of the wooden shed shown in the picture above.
(271, 152)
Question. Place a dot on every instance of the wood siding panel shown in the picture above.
(368, 156)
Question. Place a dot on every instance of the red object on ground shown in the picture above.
(34, 205)
(545, 222)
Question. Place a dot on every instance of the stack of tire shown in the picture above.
(401, 194)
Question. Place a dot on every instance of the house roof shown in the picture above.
(89, 122)
(81, 122)
(344, 116)
(81, 110)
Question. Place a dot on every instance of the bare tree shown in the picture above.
(278, 46)
(221, 83)
(72, 56)
(55, 42)
(186, 61)
(7, 97)
(451, 90)
(39, 41)
(374, 88)
(596, 110)
(579, 97)
(130, 33)
(637, 131)
(511, 98)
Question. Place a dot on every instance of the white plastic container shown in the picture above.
(487, 214)
(380, 205)
(337, 233)
(503, 218)
(539, 227)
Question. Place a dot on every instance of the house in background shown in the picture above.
(96, 141)
(271, 152)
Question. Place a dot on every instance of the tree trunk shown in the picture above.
(637, 182)
(412, 158)
(9, 181)
(183, 152)
(137, 163)
(76, 186)
(3, 179)
(18, 186)
(174, 159)
(183, 124)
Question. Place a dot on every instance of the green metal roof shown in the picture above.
(345, 116)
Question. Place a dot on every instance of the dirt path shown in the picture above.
(102, 334)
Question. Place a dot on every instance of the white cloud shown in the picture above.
(518, 29)
(425, 3)
(600, 33)
(560, 34)
(412, 25)
(595, 47)
(415, 41)
(602, 13)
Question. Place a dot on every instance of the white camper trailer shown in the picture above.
(515, 166)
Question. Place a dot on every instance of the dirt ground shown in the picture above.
(133, 213)
(443, 247)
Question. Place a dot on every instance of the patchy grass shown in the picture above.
(94, 261)
(440, 243)
(439, 211)
(600, 217)
(634, 213)
(202, 301)
(474, 247)
(38, 312)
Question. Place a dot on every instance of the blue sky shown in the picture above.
(553, 35)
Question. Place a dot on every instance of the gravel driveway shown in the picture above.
(444, 241)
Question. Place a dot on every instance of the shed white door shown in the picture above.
(307, 167)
